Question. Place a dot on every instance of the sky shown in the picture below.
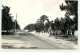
(28, 11)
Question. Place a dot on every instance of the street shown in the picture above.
(26, 40)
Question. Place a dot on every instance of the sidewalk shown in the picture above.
(62, 43)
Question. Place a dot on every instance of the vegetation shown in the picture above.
(7, 21)
(71, 9)
(39, 25)
(29, 27)
(62, 26)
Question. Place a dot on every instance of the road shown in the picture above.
(27, 40)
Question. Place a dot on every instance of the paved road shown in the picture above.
(32, 41)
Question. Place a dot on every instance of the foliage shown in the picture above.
(71, 8)
(16, 25)
(29, 27)
(63, 24)
(39, 25)
(7, 22)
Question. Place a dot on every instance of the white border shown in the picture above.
(35, 50)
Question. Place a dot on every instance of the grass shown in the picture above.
(72, 38)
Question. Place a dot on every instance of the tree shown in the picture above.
(57, 24)
(71, 9)
(16, 25)
(7, 22)
(39, 25)
(29, 27)
(43, 18)
(65, 24)
(46, 26)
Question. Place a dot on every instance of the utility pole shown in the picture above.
(15, 22)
